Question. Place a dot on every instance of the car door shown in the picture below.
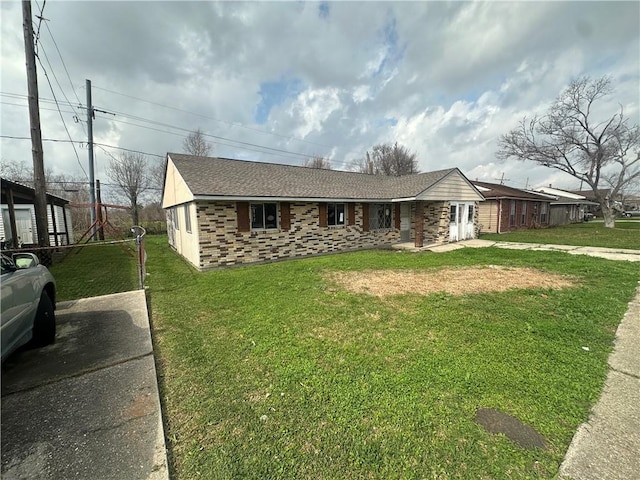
(18, 305)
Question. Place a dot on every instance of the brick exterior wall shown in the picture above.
(221, 244)
(530, 220)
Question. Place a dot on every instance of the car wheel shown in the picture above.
(44, 325)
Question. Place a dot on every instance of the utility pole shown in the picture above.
(92, 188)
(99, 218)
(502, 179)
(39, 182)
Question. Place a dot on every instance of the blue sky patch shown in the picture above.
(323, 9)
(275, 93)
(394, 52)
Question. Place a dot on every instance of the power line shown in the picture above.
(59, 112)
(261, 148)
(153, 122)
(57, 140)
(212, 118)
(41, 108)
(184, 136)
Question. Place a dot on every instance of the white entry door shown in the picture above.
(461, 226)
(24, 226)
(453, 222)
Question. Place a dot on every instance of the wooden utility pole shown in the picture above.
(39, 182)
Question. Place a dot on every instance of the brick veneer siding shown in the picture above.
(221, 244)
(530, 221)
(435, 222)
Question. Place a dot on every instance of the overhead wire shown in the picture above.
(81, 142)
(59, 112)
(234, 124)
(64, 66)
(240, 142)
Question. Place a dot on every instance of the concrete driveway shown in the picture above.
(87, 406)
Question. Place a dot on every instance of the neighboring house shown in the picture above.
(507, 208)
(19, 216)
(566, 207)
(617, 203)
(226, 212)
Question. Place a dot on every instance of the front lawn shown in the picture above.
(280, 371)
(96, 269)
(626, 234)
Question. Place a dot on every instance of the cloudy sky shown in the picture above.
(284, 81)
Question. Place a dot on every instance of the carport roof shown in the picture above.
(23, 194)
(223, 177)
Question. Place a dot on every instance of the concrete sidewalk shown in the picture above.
(600, 252)
(87, 406)
(607, 446)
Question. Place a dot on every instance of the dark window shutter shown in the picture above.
(351, 214)
(242, 208)
(397, 214)
(285, 216)
(365, 217)
(322, 220)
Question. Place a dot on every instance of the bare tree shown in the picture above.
(131, 175)
(195, 144)
(602, 150)
(16, 171)
(318, 162)
(362, 164)
(386, 159)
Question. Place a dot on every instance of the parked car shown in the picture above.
(631, 213)
(28, 303)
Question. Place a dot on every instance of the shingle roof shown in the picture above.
(496, 190)
(207, 176)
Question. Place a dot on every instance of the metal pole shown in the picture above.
(39, 183)
(92, 189)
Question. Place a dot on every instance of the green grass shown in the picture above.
(593, 234)
(269, 371)
(96, 270)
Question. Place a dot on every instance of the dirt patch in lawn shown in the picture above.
(456, 281)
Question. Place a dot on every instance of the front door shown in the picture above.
(405, 222)
(24, 226)
(461, 226)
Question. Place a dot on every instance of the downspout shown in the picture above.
(499, 215)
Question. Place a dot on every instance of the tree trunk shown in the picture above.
(608, 213)
(134, 213)
(609, 217)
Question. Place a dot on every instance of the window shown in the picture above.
(335, 214)
(523, 214)
(264, 216)
(543, 213)
(379, 216)
(535, 213)
(176, 218)
(512, 213)
(470, 215)
(453, 213)
(187, 219)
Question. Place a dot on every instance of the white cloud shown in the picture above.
(453, 76)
